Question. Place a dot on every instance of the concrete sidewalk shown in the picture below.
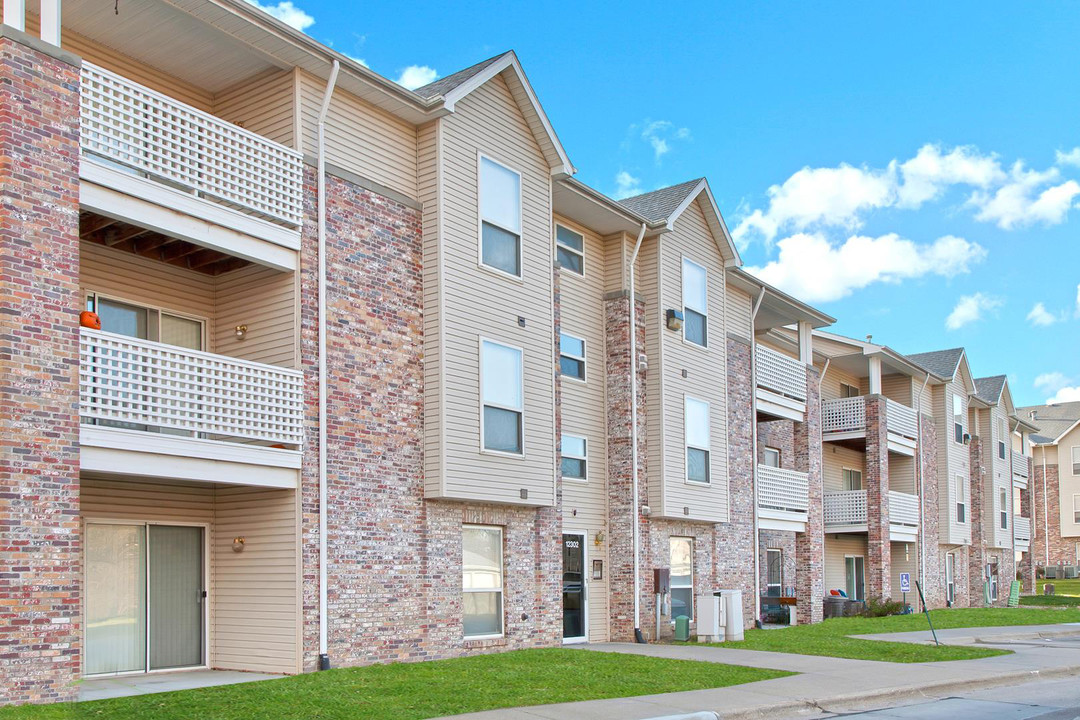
(832, 684)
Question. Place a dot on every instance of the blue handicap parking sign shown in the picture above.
(905, 582)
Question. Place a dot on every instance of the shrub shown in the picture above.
(876, 607)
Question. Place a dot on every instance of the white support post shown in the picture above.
(15, 14)
(50, 21)
(875, 375)
(806, 347)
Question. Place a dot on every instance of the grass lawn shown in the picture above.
(831, 637)
(1049, 600)
(1061, 587)
(408, 691)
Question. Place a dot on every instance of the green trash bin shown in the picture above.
(682, 628)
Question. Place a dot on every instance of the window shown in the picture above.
(500, 217)
(958, 418)
(570, 250)
(1004, 433)
(1076, 549)
(854, 570)
(772, 457)
(992, 578)
(1003, 510)
(571, 357)
(147, 323)
(682, 577)
(501, 383)
(1075, 460)
(575, 457)
(950, 577)
(1076, 509)
(482, 580)
(697, 441)
(961, 507)
(774, 572)
(852, 479)
(695, 293)
(848, 391)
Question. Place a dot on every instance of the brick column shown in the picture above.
(40, 603)
(933, 573)
(810, 545)
(878, 548)
(976, 519)
(620, 475)
(1027, 560)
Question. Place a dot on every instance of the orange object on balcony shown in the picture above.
(89, 319)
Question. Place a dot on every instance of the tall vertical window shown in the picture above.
(1076, 509)
(571, 356)
(852, 479)
(958, 417)
(1003, 430)
(992, 577)
(501, 387)
(575, 458)
(961, 505)
(950, 577)
(695, 293)
(500, 217)
(682, 577)
(1075, 460)
(1004, 509)
(772, 457)
(570, 250)
(855, 574)
(482, 580)
(774, 572)
(697, 441)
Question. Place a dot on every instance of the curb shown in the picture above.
(860, 700)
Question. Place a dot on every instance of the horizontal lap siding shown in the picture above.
(739, 311)
(830, 384)
(902, 473)
(999, 477)
(647, 283)
(263, 105)
(898, 388)
(953, 460)
(837, 547)
(428, 174)
(481, 303)
(264, 300)
(1069, 484)
(905, 557)
(834, 459)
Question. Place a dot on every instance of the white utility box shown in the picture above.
(710, 618)
(732, 601)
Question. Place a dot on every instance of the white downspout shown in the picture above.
(921, 489)
(1046, 511)
(634, 439)
(753, 458)
(324, 655)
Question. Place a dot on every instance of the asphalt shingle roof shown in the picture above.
(1053, 420)
(448, 83)
(942, 363)
(658, 205)
(988, 389)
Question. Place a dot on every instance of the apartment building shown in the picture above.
(1054, 512)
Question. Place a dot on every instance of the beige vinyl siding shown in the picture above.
(584, 413)
(706, 370)
(481, 303)
(254, 601)
(905, 558)
(830, 384)
(998, 477)
(264, 300)
(1068, 482)
(648, 285)
(739, 311)
(429, 173)
(834, 458)
(898, 388)
(902, 473)
(263, 105)
(953, 460)
(837, 547)
(619, 249)
(360, 137)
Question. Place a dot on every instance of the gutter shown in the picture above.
(324, 656)
(638, 637)
(919, 478)
(753, 458)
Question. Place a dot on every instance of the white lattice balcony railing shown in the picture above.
(142, 385)
(1022, 529)
(843, 415)
(181, 146)
(903, 509)
(845, 508)
(780, 489)
(901, 420)
(1019, 464)
(779, 373)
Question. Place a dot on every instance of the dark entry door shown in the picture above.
(573, 594)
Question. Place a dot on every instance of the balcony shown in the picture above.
(152, 157)
(152, 409)
(847, 512)
(844, 420)
(1022, 532)
(783, 498)
(1020, 469)
(781, 384)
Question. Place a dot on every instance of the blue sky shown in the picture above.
(884, 163)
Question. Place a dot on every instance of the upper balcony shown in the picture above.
(844, 421)
(1022, 533)
(847, 512)
(783, 498)
(781, 384)
(1020, 469)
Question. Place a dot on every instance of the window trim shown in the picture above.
(765, 454)
(844, 468)
(1075, 457)
(1076, 508)
(1002, 429)
(693, 575)
(961, 499)
(682, 301)
(482, 404)
(584, 379)
(90, 295)
(1003, 512)
(958, 427)
(779, 585)
(950, 577)
(855, 567)
(581, 252)
(502, 583)
(520, 277)
(856, 388)
(584, 458)
(687, 446)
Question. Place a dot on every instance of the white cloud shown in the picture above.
(1040, 316)
(287, 13)
(416, 76)
(659, 133)
(969, 309)
(1019, 202)
(626, 185)
(1068, 158)
(1051, 381)
(928, 174)
(1065, 394)
(812, 268)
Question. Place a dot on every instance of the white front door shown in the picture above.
(574, 590)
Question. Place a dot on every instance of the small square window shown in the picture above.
(852, 479)
(772, 457)
(570, 250)
(575, 458)
(571, 356)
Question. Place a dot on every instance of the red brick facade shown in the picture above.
(810, 545)
(878, 546)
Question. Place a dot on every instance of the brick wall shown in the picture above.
(779, 434)
(1028, 561)
(933, 576)
(977, 518)
(810, 545)
(778, 540)
(1047, 544)
(878, 548)
(40, 601)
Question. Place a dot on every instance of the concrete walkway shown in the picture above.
(103, 688)
(829, 684)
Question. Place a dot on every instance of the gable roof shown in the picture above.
(451, 89)
(943, 363)
(664, 206)
(989, 389)
(1054, 421)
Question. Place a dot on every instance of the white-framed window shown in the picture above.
(697, 441)
(482, 580)
(695, 292)
(502, 398)
(148, 323)
(1075, 459)
(1017, 502)
(1003, 431)
(682, 577)
(570, 250)
(1076, 509)
(852, 479)
(500, 217)
(1076, 551)
(958, 418)
(772, 457)
(774, 572)
(855, 576)
(961, 499)
(1003, 511)
(571, 356)
(575, 458)
(950, 577)
(849, 391)
(992, 578)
